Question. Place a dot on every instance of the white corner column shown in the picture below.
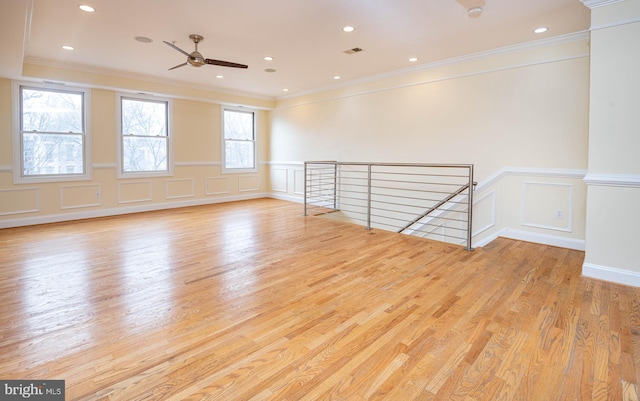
(613, 178)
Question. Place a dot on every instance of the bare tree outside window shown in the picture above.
(239, 139)
(52, 132)
(145, 136)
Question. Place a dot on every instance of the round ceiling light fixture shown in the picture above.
(87, 8)
(348, 29)
(474, 12)
(541, 29)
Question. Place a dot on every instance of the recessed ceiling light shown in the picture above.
(542, 29)
(269, 70)
(348, 29)
(143, 39)
(474, 12)
(219, 76)
(285, 90)
(268, 58)
(67, 47)
(337, 77)
(413, 59)
(87, 8)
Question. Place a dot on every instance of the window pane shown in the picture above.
(51, 111)
(144, 118)
(144, 154)
(239, 154)
(238, 125)
(52, 154)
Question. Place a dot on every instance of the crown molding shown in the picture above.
(599, 3)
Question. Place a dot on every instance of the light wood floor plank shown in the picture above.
(252, 301)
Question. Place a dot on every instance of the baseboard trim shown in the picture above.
(611, 274)
(545, 239)
(57, 218)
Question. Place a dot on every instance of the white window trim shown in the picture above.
(18, 177)
(255, 142)
(120, 158)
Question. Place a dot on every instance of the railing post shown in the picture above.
(305, 188)
(335, 186)
(470, 210)
(368, 196)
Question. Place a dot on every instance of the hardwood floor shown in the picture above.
(252, 301)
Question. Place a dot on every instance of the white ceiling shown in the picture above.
(304, 36)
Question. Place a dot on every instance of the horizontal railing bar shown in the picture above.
(435, 165)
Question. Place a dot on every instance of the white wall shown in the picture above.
(519, 114)
(613, 218)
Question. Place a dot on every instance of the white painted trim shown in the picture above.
(197, 164)
(240, 177)
(122, 210)
(492, 224)
(37, 209)
(613, 180)
(546, 239)
(166, 188)
(104, 166)
(611, 274)
(573, 37)
(286, 180)
(528, 171)
(285, 163)
(599, 3)
(288, 198)
(148, 199)
(206, 185)
(147, 78)
(615, 24)
(568, 213)
(98, 197)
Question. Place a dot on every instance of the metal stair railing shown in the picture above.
(428, 200)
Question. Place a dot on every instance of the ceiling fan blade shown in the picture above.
(178, 66)
(177, 48)
(224, 63)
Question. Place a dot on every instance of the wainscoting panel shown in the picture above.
(298, 182)
(248, 183)
(547, 205)
(217, 185)
(132, 192)
(17, 201)
(182, 188)
(484, 213)
(280, 180)
(80, 196)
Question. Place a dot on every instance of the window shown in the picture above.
(239, 140)
(52, 141)
(144, 141)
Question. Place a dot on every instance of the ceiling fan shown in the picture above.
(196, 59)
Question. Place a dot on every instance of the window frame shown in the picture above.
(120, 137)
(18, 134)
(254, 114)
